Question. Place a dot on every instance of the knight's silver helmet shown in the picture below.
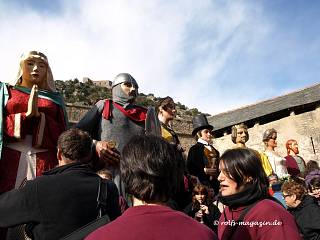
(124, 77)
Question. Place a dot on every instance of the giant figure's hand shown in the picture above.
(108, 153)
(33, 103)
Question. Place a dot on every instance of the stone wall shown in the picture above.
(305, 128)
(183, 128)
(76, 112)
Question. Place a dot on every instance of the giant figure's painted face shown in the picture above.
(242, 135)
(34, 72)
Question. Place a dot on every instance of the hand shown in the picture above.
(33, 103)
(204, 209)
(108, 153)
(198, 215)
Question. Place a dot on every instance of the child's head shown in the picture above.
(314, 187)
(273, 178)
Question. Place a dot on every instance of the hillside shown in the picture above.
(87, 94)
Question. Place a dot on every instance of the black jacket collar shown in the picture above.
(67, 168)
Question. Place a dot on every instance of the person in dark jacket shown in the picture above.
(314, 188)
(303, 207)
(250, 212)
(64, 198)
(202, 161)
(202, 209)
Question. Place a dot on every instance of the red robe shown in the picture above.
(43, 133)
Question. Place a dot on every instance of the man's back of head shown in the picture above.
(75, 145)
(151, 168)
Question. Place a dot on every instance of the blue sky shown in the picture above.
(212, 55)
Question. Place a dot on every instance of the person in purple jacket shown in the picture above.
(152, 169)
(312, 171)
(250, 212)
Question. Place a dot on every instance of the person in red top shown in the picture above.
(250, 213)
(152, 169)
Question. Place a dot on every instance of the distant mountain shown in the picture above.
(87, 94)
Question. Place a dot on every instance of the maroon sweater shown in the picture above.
(282, 225)
(153, 222)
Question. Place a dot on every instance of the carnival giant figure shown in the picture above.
(296, 165)
(32, 116)
(115, 120)
(203, 158)
(277, 162)
(166, 110)
(239, 135)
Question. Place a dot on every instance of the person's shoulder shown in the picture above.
(274, 219)
(137, 106)
(109, 230)
(196, 149)
(201, 230)
(197, 145)
(269, 209)
(311, 202)
(101, 102)
(269, 204)
(111, 186)
(34, 184)
(142, 107)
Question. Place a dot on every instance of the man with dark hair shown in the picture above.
(152, 169)
(64, 198)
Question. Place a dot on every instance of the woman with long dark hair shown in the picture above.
(250, 212)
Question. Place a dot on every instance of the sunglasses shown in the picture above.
(286, 195)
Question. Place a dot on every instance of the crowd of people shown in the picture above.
(54, 179)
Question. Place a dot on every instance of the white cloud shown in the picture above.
(185, 49)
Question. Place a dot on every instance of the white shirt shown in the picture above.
(278, 164)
